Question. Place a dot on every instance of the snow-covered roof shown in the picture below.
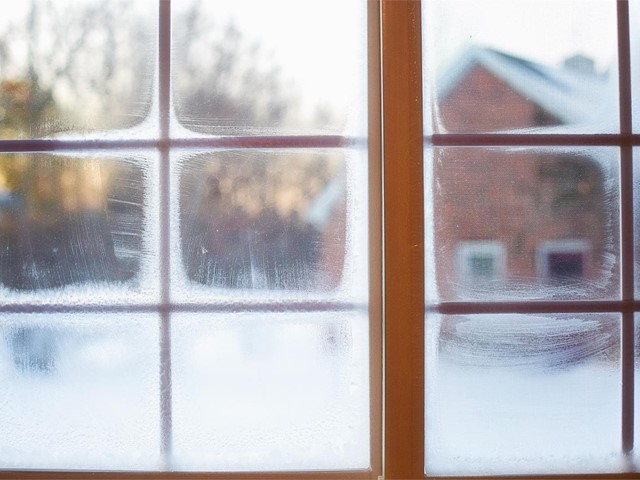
(572, 95)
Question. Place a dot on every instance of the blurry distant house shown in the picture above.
(518, 219)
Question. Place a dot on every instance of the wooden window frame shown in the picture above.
(404, 305)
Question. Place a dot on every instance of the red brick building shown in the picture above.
(522, 222)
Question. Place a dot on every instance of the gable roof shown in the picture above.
(571, 95)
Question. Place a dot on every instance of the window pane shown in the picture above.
(634, 11)
(522, 394)
(73, 225)
(636, 219)
(537, 65)
(274, 224)
(79, 391)
(522, 223)
(235, 73)
(265, 391)
(83, 66)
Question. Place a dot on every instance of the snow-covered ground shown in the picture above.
(522, 415)
(256, 391)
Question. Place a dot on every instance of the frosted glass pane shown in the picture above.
(270, 391)
(79, 391)
(522, 223)
(636, 220)
(634, 11)
(263, 221)
(235, 73)
(489, 66)
(274, 224)
(84, 65)
(522, 394)
(74, 228)
(636, 385)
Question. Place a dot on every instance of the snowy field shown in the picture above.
(495, 413)
(254, 391)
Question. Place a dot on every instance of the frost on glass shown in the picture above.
(71, 224)
(75, 65)
(269, 220)
(636, 219)
(263, 391)
(236, 73)
(79, 391)
(634, 12)
(522, 223)
(522, 394)
(636, 396)
(530, 65)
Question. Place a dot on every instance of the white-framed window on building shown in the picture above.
(480, 261)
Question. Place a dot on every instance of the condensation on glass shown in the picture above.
(531, 66)
(82, 66)
(522, 394)
(236, 74)
(73, 225)
(270, 224)
(263, 220)
(636, 396)
(271, 391)
(79, 391)
(634, 12)
(522, 223)
(636, 220)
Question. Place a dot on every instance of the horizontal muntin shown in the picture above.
(227, 142)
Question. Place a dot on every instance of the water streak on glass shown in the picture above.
(488, 68)
(522, 223)
(79, 391)
(235, 73)
(523, 394)
(77, 66)
(267, 391)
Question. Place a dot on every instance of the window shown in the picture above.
(480, 261)
(562, 260)
(516, 151)
(185, 244)
(164, 306)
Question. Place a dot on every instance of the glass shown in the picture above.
(79, 391)
(634, 13)
(84, 66)
(636, 384)
(74, 225)
(522, 394)
(531, 65)
(236, 74)
(272, 223)
(270, 391)
(508, 224)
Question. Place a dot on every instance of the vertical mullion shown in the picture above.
(164, 92)
(403, 240)
(626, 228)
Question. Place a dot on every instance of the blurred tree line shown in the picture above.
(91, 67)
